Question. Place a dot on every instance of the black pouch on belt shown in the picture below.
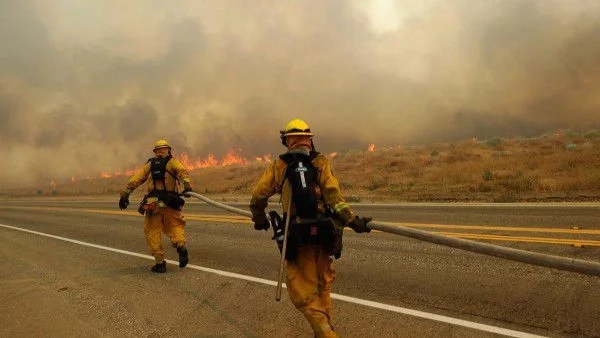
(169, 198)
(317, 231)
(173, 200)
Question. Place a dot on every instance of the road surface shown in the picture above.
(81, 268)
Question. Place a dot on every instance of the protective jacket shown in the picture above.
(310, 270)
(327, 189)
(174, 171)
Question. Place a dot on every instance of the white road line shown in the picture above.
(368, 303)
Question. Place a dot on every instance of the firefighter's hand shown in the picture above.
(186, 188)
(359, 224)
(262, 225)
(123, 203)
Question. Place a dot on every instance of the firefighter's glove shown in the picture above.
(359, 224)
(186, 188)
(123, 203)
(262, 224)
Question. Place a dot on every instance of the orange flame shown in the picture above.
(184, 158)
(264, 158)
(333, 154)
(371, 147)
(232, 157)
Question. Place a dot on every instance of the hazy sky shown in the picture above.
(88, 86)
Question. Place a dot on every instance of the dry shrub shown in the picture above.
(481, 187)
(377, 182)
(469, 170)
(518, 182)
(398, 164)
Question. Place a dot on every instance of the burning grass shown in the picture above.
(563, 166)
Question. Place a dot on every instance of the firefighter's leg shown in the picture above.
(174, 228)
(303, 289)
(326, 273)
(152, 230)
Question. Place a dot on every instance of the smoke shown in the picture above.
(89, 86)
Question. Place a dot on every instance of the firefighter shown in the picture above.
(162, 206)
(317, 217)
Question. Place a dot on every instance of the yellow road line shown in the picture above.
(245, 220)
(522, 239)
(222, 220)
(498, 228)
(130, 213)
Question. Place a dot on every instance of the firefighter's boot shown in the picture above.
(183, 256)
(160, 267)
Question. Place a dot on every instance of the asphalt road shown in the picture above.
(62, 286)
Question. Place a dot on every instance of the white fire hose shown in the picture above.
(549, 261)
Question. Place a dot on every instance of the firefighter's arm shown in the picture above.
(265, 188)
(136, 180)
(332, 194)
(182, 174)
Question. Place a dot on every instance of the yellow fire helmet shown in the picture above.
(161, 144)
(296, 127)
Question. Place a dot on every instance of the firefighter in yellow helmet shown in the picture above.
(318, 214)
(162, 205)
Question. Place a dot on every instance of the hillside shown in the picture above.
(561, 166)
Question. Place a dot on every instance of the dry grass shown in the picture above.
(554, 167)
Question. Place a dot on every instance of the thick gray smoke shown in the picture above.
(87, 87)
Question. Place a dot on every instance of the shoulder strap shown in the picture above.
(170, 173)
(302, 175)
(161, 177)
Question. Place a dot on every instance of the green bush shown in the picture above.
(487, 175)
(494, 142)
(571, 146)
(592, 134)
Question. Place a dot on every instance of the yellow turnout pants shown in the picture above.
(309, 280)
(166, 220)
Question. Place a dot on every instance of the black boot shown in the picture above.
(183, 256)
(160, 267)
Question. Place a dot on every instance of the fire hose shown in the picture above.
(529, 257)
